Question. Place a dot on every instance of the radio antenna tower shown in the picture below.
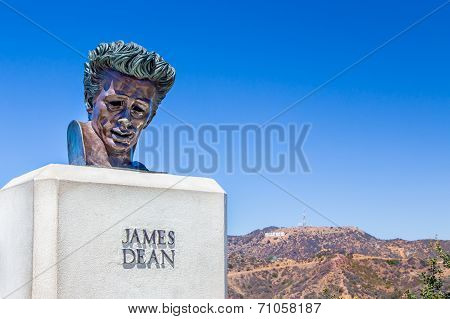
(304, 218)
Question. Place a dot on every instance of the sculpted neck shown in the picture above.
(121, 159)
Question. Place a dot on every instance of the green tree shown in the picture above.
(445, 256)
(432, 283)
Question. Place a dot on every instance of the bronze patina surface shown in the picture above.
(123, 86)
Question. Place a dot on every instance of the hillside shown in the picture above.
(324, 262)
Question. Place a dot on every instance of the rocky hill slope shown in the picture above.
(324, 262)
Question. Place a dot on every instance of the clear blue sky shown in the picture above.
(379, 146)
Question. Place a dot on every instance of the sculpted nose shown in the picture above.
(124, 124)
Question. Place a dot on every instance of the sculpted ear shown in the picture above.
(91, 102)
(153, 112)
(89, 107)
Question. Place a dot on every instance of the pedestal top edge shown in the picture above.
(88, 174)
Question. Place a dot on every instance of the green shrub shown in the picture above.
(393, 262)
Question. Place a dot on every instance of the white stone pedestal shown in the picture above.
(62, 230)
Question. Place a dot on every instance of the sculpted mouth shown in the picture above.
(122, 137)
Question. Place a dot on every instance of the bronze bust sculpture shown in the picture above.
(123, 86)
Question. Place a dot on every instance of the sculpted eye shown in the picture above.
(138, 111)
(115, 105)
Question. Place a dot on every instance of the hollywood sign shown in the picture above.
(275, 234)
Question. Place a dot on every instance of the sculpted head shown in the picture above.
(123, 86)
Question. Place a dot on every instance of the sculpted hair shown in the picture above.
(130, 59)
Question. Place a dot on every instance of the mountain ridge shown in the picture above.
(318, 262)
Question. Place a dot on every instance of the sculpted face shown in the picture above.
(121, 111)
